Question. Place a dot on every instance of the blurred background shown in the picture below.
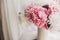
(1, 31)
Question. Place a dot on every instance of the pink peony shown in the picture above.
(38, 15)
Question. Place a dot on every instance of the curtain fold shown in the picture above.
(10, 13)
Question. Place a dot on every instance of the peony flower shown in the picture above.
(39, 15)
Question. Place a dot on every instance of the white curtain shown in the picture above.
(10, 8)
(16, 31)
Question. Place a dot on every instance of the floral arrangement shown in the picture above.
(39, 15)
